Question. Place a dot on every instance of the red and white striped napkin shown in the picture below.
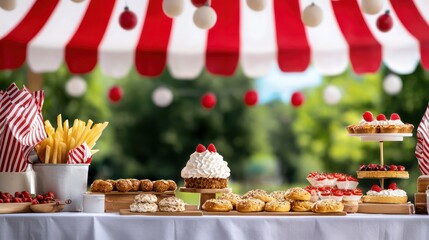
(80, 155)
(422, 148)
(21, 127)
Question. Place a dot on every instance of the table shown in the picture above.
(114, 226)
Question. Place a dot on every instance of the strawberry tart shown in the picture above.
(206, 169)
(323, 179)
(390, 195)
(380, 124)
(382, 171)
(347, 182)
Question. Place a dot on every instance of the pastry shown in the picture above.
(160, 186)
(217, 205)
(101, 186)
(171, 185)
(171, 204)
(94, 185)
(390, 195)
(145, 198)
(395, 125)
(124, 185)
(352, 195)
(135, 185)
(327, 206)
(278, 195)
(367, 125)
(382, 171)
(313, 192)
(347, 182)
(323, 179)
(143, 207)
(259, 194)
(277, 206)
(298, 193)
(232, 197)
(250, 205)
(146, 185)
(302, 206)
(206, 169)
(113, 182)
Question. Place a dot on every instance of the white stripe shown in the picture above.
(116, 52)
(46, 50)
(10, 19)
(400, 48)
(329, 49)
(187, 46)
(423, 7)
(258, 48)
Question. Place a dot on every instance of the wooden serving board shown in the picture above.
(134, 193)
(236, 213)
(6, 208)
(197, 190)
(386, 208)
(185, 213)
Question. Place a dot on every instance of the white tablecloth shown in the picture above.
(113, 226)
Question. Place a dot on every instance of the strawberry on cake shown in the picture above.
(206, 169)
(390, 195)
(367, 125)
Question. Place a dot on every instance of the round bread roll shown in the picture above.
(278, 195)
(258, 194)
(298, 193)
(232, 197)
(327, 206)
(302, 206)
(101, 186)
(146, 185)
(250, 205)
(143, 207)
(160, 186)
(217, 205)
(124, 185)
(277, 206)
(171, 204)
(94, 185)
(135, 185)
(113, 182)
(172, 186)
(145, 198)
(384, 199)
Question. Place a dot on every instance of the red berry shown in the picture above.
(330, 176)
(401, 168)
(18, 194)
(338, 193)
(43, 202)
(50, 195)
(395, 116)
(6, 200)
(251, 98)
(381, 117)
(1, 201)
(27, 200)
(26, 194)
(39, 197)
(393, 167)
(201, 148)
(350, 178)
(34, 202)
(208, 100)
(384, 22)
(376, 188)
(392, 186)
(357, 191)
(212, 148)
(367, 116)
(127, 19)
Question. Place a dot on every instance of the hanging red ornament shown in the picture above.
(127, 19)
(199, 3)
(251, 98)
(208, 100)
(115, 94)
(297, 99)
(385, 22)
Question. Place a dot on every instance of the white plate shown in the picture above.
(367, 137)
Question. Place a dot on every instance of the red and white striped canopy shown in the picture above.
(46, 33)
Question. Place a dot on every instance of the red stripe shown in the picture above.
(292, 44)
(223, 39)
(81, 51)
(151, 50)
(365, 51)
(13, 47)
(411, 18)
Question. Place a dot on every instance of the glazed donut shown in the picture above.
(327, 206)
(302, 206)
(217, 205)
(258, 194)
(160, 186)
(277, 206)
(250, 205)
(124, 185)
(232, 197)
(146, 185)
(298, 193)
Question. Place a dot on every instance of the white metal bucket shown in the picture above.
(12, 182)
(66, 181)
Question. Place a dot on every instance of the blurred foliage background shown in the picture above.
(272, 146)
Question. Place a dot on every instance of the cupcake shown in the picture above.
(206, 169)
(347, 182)
(367, 124)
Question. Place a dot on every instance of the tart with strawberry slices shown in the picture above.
(390, 195)
(206, 169)
(382, 171)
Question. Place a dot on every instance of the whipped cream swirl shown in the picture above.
(396, 122)
(387, 192)
(206, 165)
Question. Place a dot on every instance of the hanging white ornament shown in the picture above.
(76, 86)
(257, 5)
(8, 5)
(312, 15)
(172, 8)
(162, 97)
(392, 84)
(332, 95)
(205, 17)
(372, 6)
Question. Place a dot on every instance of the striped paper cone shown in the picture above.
(422, 148)
(80, 155)
(21, 127)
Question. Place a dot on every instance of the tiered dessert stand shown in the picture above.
(381, 175)
(205, 194)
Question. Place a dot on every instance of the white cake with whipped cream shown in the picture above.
(206, 169)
